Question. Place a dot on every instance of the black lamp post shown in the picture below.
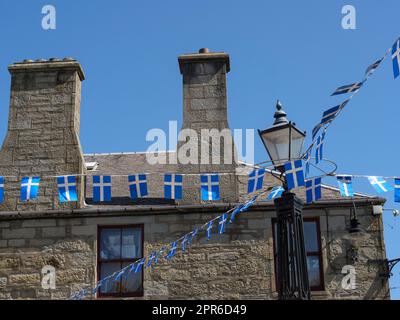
(284, 142)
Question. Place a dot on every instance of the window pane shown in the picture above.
(313, 271)
(132, 282)
(311, 236)
(131, 243)
(110, 246)
(109, 286)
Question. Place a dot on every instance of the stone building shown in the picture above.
(85, 241)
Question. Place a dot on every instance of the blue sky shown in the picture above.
(296, 51)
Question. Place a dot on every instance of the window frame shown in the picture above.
(318, 253)
(101, 261)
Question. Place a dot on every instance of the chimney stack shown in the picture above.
(43, 131)
(205, 109)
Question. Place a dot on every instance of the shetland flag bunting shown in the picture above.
(330, 114)
(319, 148)
(172, 251)
(173, 186)
(1, 189)
(137, 186)
(371, 69)
(29, 188)
(119, 275)
(276, 193)
(316, 130)
(193, 234)
(348, 88)
(222, 223)
(313, 190)
(397, 190)
(208, 230)
(139, 265)
(150, 261)
(209, 187)
(345, 186)
(235, 212)
(379, 184)
(294, 174)
(101, 188)
(396, 58)
(307, 158)
(184, 242)
(248, 204)
(67, 189)
(256, 179)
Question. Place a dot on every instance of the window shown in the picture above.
(312, 241)
(119, 246)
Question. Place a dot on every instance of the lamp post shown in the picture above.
(284, 142)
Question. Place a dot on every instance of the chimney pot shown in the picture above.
(204, 50)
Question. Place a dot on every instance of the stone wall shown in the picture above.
(236, 265)
(43, 131)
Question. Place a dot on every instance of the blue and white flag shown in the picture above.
(396, 58)
(67, 189)
(276, 192)
(173, 186)
(397, 190)
(294, 174)
(235, 212)
(119, 275)
(209, 187)
(151, 259)
(248, 204)
(380, 184)
(1, 189)
(101, 188)
(307, 159)
(371, 69)
(313, 190)
(256, 179)
(316, 130)
(139, 264)
(137, 186)
(29, 188)
(345, 186)
(193, 234)
(222, 223)
(172, 251)
(348, 88)
(319, 148)
(330, 114)
(209, 229)
(184, 242)
(133, 267)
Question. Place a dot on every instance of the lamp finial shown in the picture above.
(280, 114)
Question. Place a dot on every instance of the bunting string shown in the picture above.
(152, 259)
(333, 113)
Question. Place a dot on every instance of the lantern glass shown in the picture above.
(283, 143)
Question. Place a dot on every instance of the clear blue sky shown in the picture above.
(293, 50)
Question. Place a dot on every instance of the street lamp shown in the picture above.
(284, 142)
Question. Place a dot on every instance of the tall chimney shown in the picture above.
(205, 108)
(43, 131)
